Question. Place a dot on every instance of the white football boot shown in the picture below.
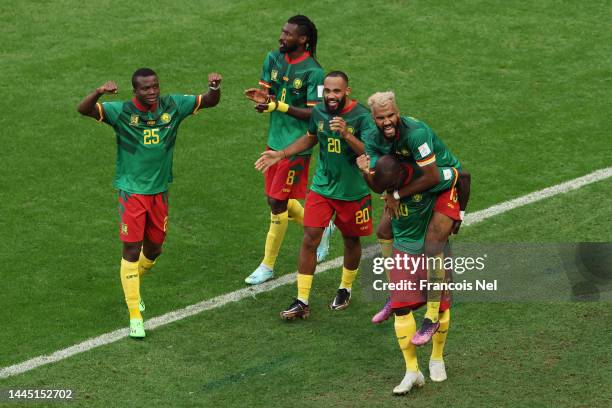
(411, 379)
(437, 370)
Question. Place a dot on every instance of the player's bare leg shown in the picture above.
(306, 268)
(439, 229)
(130, 281)
(279, 220)
(352, 256)
(384, 233)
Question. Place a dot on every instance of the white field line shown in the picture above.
(240, 294)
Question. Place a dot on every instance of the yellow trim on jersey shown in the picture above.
(197, 105)
(311, 103)
(264, 84)
(453, 189)
(428, 160)
(100, 111)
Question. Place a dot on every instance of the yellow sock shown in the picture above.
(274, 240)
(144, 264)
(130, 280)
(348, 277)
(296, 211)
(439, 339)
(405, 327)
(435, 274)
(304, 283)
(386, 250)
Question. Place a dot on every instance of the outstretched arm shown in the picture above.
(270, 157)
(212, 97)
(87, 107)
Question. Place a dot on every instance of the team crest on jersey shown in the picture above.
(321, 125)
(165, 117)
(417, 198)
(403, 152)
(274, 74)
(134, 120)
(297, 83)
(351, 130)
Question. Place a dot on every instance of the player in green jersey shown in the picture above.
(291, 84)
(409, 230)
(146, 129)
(412, 141)
(337, 125)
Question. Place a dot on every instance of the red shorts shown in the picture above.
(288, 178)
(143, 215)
(353, 218)
(416, 272)
(446, 202)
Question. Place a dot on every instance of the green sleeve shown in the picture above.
(265, 79)
(448, 177)
(371, 146)
(366, 125)
(421, 146)
(313, 122)
(111, 112)
(186, 104)
(314, 90)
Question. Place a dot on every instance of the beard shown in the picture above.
(338, 108)
(287, 49)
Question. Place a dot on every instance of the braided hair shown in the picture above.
(306, 27)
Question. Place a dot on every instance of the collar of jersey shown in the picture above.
(301, 58)
(349, 107)
(141, 108)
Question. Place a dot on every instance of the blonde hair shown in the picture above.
(382, 99)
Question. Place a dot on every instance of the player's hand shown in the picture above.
(256, 95)
(110, 87)
(337, 124)
(456, 226)
(214, 80)
(268, 159)
(363, 162)
(391, 205)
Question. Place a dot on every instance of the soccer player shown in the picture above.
(409, 230)
(412, 141)
(146, 129)
(338, 125)
(291, 84)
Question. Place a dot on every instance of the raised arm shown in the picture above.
(87, 107)
(212, 97)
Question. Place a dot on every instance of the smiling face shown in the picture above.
(290, 39)
(147, 89)
(387, 119)
(335, 91)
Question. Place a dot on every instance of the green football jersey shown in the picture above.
(415, 212)
(298, 83)
(145, 141)
(337, 175)
(416, 142)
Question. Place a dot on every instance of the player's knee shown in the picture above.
(277, 206)
(312, 238)
(351, 242)
(131, 251)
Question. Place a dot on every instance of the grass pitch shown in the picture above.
(518, 91)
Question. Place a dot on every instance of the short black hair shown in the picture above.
(388, 173)
(141, 72)
(338, 74)
(306, 27)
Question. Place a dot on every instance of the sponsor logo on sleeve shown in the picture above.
(424, 150)
(447, 173)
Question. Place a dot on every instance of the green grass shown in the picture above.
(518, 91)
